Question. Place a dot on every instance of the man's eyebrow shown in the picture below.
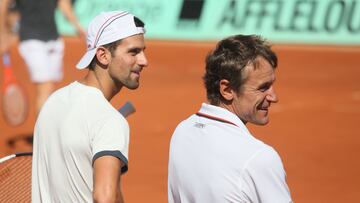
(136, 49)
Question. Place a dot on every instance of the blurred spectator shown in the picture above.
(40, 44)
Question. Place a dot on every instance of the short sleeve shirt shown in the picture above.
(76, 126)
(214, 158)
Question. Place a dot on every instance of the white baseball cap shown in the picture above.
(109, 27)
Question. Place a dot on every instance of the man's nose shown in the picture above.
(272, 96)
(142, 60)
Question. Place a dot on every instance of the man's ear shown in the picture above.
(225, 90)
(103, 56)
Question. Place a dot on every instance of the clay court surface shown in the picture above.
(315, 127)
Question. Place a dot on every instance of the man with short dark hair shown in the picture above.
(80, 140)
(213, 156)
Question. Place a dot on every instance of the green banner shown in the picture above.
(286, 21)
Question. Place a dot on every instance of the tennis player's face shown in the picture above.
(128, 61)
(255, 96)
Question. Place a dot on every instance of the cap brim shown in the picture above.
(86, 59)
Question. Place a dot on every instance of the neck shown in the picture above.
(231, 107)
(99, 78)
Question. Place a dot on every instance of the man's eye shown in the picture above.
(265, 87)
(262, 89)
(134, 52)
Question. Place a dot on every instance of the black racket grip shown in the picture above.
(127, 109)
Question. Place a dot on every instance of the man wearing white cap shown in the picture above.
(80, 139)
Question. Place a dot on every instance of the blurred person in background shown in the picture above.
(40, 45)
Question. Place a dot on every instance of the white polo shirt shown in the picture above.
(76, 126)
(214, 158)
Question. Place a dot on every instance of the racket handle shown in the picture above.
(6, 60)
(127, 109)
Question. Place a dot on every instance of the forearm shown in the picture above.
(107, 180)
(107, 195)
(4, 5)
(67, 10)
(3, 13)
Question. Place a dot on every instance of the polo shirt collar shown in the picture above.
(223, 114)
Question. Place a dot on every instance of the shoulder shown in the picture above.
(116, 120)
(264, 159)
(265, 178)
(185, 126)
(186, 123)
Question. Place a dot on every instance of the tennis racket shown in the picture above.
(14, 100)
(15, 178)
(127, 109)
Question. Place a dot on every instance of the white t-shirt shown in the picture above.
(214, 158)
(76, 125)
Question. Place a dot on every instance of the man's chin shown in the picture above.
(262, 121)
(132, 86)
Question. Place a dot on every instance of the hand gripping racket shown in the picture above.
(14, 101)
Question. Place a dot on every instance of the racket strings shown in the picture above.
(15, 179)
(14, 100)
(14, 105)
